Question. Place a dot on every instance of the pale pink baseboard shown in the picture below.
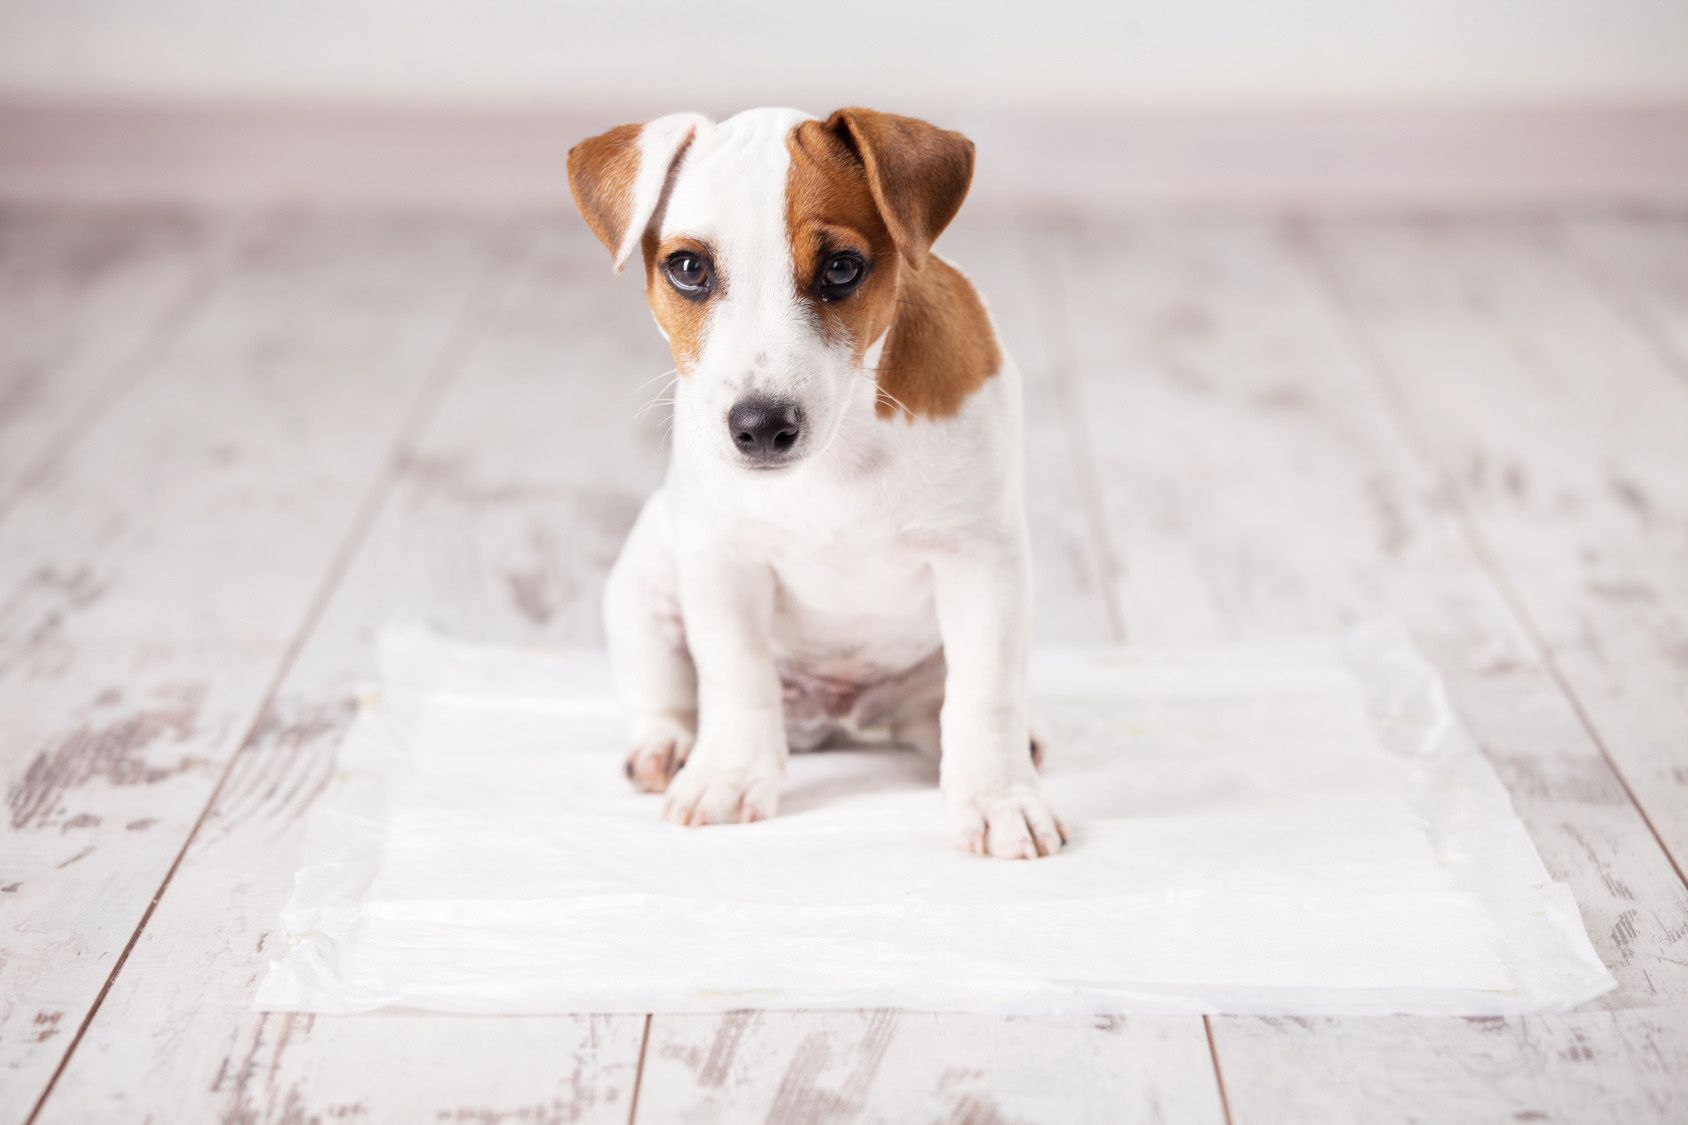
(1360, 159)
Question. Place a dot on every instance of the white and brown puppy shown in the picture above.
(840, 548)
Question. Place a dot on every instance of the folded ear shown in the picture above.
(618, 178)
(918, 173)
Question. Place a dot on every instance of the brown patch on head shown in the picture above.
(885, 187)
(601, 174)
(830, 209)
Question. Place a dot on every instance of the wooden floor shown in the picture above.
(233, 445)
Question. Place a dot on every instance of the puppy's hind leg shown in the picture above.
(914, 711)
(647, 642)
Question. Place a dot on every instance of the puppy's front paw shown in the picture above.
(1008, 821)
(707, 791)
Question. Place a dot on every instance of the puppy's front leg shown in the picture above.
(995, 800)
(734, 771)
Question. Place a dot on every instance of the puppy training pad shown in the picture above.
(1299, 828)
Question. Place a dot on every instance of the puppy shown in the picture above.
(839, 551)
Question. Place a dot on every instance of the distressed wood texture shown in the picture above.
(152, 584)
(915, 1066)
(1564, 434)
(87, 302)
(1233, 431)
(1257, 483)
(1640, 263)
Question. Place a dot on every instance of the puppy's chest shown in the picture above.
(853, 586)
(852, 612)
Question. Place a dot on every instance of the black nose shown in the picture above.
(765, 429)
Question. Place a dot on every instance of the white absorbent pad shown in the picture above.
(1300, 828)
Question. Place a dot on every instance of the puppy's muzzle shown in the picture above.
(765, 430)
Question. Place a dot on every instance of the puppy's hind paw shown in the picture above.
(655, 758)
(1009, 822)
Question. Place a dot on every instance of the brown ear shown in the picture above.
(918, 173)
(618, 178)
(601, 171)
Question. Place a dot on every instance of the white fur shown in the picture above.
(877, 588)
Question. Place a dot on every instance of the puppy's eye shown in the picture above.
(840, 275)
(689, 273)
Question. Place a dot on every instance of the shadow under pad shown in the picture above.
(1297, 828)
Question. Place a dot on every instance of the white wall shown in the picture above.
(714, 54)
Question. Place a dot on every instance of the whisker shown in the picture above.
(884, 395)
(692, 424)
(674, 371)
(652, 405)
(660, 399)
(898, 403)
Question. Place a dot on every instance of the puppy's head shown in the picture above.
(775, 247)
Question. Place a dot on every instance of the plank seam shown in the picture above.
(472, 320)
(1218, 1072)
(639, 1072)
(1304, 243)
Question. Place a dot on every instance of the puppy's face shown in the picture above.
(774, 246)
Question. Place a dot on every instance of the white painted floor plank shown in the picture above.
(88, 300)
(1640, 264)
(151, 586)
(914, 1066)
(1621, 1067)
(1256, 484)
(1565, 434)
